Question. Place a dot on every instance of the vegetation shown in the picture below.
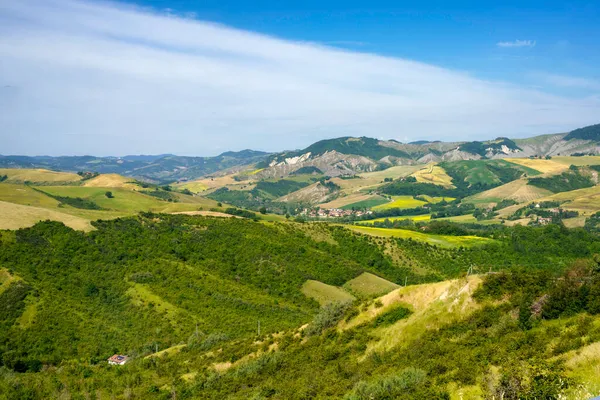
(591, 132)
(569, 180)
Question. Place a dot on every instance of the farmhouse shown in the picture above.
(118, 359)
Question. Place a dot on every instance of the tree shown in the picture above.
(109, 195)
(262, 210)
(219, 204)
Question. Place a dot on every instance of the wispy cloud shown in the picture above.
(134, 81)
(517, 43)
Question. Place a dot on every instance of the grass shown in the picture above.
(439, 240)
(324, 293)
(38, 176)
(369, 285)
(400, 202)
(5, 279)
(141, 296)
(28, 317)
(433, 174)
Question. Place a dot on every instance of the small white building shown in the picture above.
(118, 359)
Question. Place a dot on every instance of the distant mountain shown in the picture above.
(349, 155)
(333, 157)
(159, 168)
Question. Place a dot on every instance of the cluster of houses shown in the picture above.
(333, 213)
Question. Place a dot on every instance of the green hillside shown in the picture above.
(195, 288)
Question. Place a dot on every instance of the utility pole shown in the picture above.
(405, 279)
(156, 347)
(259, 327)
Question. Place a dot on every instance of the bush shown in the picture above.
(388, 387)
(391, 316)
(328, 317)
(109, 194)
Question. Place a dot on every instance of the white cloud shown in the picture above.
(517, 43)
(568, 81)
(100, 78)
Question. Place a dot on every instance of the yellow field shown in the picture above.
(368, 285)
(15, 216)
(517, 190)
(400, 202)
(433, 174)
(544, 166)
(415, 218)
(111, 181)
(586, 201)
(38, 175)
(439, 240)
(579, 161)
(437, 199)
(324, 293)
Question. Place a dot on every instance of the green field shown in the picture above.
(324, 293)
(415, 218)
(369, 203)
(22, 205)
(400, 202)
(440, 240)
(368, 285)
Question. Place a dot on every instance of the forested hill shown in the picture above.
(69, 300)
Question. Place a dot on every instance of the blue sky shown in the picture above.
(199, 78)
(460, 35)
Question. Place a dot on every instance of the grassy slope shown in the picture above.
(369, 285)
(324, 293)
(517, 190)
(38, 176)
(125, 202)
(15, 216)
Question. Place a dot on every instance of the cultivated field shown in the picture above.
(439, 240)
(433, 174)
(400, 202)
(578, 161)
(551, 167)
